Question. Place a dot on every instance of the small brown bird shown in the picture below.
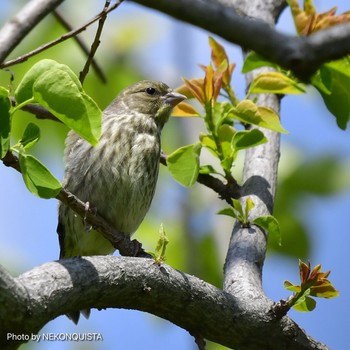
(119, 175)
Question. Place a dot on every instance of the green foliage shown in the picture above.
(184, 164)
(222, 138)
(313, 283)
(159, 254)
(332, 80)
(5, 121)
(37, 177)
(268, 222)
(55, 87)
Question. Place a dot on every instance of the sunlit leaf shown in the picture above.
(324, 290)
(275, 83)
(228, 212)
(218, 53)
(208, 83)
(38, 178)
(248, 112)
(291, 287)
(183, 164)
(184, 109)
(249, 205)
(238, 206)
(304, 271)
(56, 91)
(305, 304)
(195, 88)
(209, 142)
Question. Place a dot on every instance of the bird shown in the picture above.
(118, 176)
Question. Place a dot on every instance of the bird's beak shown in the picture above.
(174, 98)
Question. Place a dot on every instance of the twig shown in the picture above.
(119, 240)
(96, 41)
(64, 37)
(81, 44)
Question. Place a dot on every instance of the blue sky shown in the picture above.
(28, 224)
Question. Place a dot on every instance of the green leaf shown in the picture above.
(57, 88)
(57, 92)
(228, 212)
(207, 169)
(238, 206)
(305, 304)
(275, 83)
(248, 138)
(270, 224)
(249, 205)
(324, 290)
(183, 164)
(30, 136)
(254, 60)
(5, 121)
(333, 81)
(208, 142)
(248, 112)
(38, 178)
(159, 254)
(291, 287)
(225, 135)
(24, 90)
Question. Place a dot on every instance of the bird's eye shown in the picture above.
(151, 91)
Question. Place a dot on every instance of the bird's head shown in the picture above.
(151, 98)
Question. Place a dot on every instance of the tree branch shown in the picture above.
(59, 17)
(56, 288)
(13, 32)
(64, 37)
(302, 55)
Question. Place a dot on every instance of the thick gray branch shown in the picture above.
(13, 32)
(302, 55)
(37, 296)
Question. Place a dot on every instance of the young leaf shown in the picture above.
(238, 207)
(159, 254)
(195, 88)
(207, 169)
(183, 164)
(5, 121)
(292, 287)
(208, 142)
(38, 178)
(270, 224)
(254, 60)
(30, 136)
(184, 110)
(228, 212)
(247, 138)
(248, 112)
(305, 304)
(249, 205)
(275, 83)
